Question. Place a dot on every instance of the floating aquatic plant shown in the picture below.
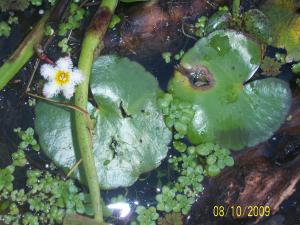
(61, 77)
(285, 23)
(129, 133)
(229, 109)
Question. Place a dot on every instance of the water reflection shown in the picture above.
(122, 208)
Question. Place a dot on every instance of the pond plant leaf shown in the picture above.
(285, 25)
(129, 134)
(228, 111)
(257, 24)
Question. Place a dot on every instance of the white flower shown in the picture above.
(62, 77)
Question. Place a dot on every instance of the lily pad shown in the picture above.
(257, 24)
(129, 134)
(228, 111)
(285, 22)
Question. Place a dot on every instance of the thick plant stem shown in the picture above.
(26, 49)
(236, 8)
(23, 53)
(92, 43)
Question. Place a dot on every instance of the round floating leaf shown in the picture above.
(219, 20)
(129, 134)
(257, 24)
(228, 112)
(285, 22)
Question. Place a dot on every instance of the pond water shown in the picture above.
(15, 112)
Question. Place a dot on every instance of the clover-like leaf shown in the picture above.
(129, 134)
(228, 111)
(285, 22)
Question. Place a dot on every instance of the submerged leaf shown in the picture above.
(129, 135)
(212, 76)
(285, 22)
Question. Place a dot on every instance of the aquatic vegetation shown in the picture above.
(116, 129)
(284, 31)
(45, 200)
(179, 55)
(212, 75)
(129, 133)
(296, 68)
(25, 50)
(91, 48)
(49, 31)
(166, 56)
(74, 19)
(256, 23)
(171, 219)
(270, 67)
(200, 26)
(253, 22)
(146, 216)
(114, 21)
(14, 5)
(27, 139)
(63, 44)
(62, 77)
(4, 29)
(36, 2)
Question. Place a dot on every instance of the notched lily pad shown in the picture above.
(129, 136)
(228, 111)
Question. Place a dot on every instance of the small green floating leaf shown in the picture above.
(228, 112)
(257, 24)
(285, 25)
(129, 135)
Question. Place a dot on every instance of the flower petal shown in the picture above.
(50, 89)
(68, 90)
(76, 77)
(48, 71)
(64, 63)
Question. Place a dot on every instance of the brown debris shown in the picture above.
(264, 175)
(156, 26)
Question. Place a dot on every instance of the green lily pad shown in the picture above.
(257, 24)
(212, 77)
(129, 134)
(285, 22)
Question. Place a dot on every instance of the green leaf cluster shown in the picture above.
(216, 158)
(253, 22)
(63, 44)
(46, 199)
(76, 14)
(146, 216)
(171, 219)
(5, 26)
(27, 139)
(36, 2)
(178, 114)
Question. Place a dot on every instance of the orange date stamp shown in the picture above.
(238, 211)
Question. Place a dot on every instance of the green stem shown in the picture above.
(23, 53)
(236, 8)
(26, 49)
(90, 48)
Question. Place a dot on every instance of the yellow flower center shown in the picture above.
(62, 77)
